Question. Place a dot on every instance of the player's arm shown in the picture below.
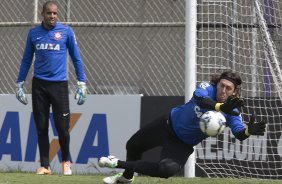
(205, 102)
(81, 89)
(27, 58)
(24, 68)
(227, 107)
(75, 56)
(253, 128)
(202, 98)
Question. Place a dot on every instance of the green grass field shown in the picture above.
(31, 178)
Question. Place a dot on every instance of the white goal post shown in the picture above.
(190, 66)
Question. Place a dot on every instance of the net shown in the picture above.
(244, 36)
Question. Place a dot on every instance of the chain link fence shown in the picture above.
(128, 46)
(138, 46)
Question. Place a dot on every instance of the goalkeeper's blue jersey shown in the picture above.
(50, 50)
(185, 118)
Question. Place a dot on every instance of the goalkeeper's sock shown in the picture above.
(129, 165)
(128, 173)
(46, 167)
(141, 167)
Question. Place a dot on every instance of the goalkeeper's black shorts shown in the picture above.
(159, 132)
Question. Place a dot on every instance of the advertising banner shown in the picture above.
(98, 128)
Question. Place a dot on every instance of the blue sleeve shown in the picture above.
(27, 58)
(204, 89)
(235, 123)
(237, 127)
(75, 56)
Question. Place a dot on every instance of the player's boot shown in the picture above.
(110, 161)
(118, 178)
(43, 170)
(66, 168)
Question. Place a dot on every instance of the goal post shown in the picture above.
(190, 66)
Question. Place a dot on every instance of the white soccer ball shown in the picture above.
(212, 123)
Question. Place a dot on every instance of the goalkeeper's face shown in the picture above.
(50, 15)
(224, 89)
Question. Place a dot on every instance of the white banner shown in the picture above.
(100, 127)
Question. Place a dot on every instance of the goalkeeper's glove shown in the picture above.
(231, 103)
(255, 128)
(20, 95)
(80, 94)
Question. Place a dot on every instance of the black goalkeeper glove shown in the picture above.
(255, 128)
(231, 103)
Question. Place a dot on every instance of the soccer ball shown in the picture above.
(212, 123)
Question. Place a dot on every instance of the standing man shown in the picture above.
(49, 43)
(179, 131)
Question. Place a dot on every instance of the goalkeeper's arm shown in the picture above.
(207, 103)
(253, 128)
(227, 107)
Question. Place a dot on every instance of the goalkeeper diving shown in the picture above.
(178, 132)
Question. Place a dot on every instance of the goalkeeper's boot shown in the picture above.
(118, 178)
(110, 161)
(66, 168)
(43, 171)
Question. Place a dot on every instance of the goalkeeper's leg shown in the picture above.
(59, 96)
(146, 138)
(173, 156)
(41, 110)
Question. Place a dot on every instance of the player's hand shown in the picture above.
(231, 103)
(80, 94)
(20, 95)
(255, 128)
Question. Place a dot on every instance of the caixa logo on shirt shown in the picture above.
(47, 46)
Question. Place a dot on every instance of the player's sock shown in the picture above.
(128, 174)
(142, 167)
